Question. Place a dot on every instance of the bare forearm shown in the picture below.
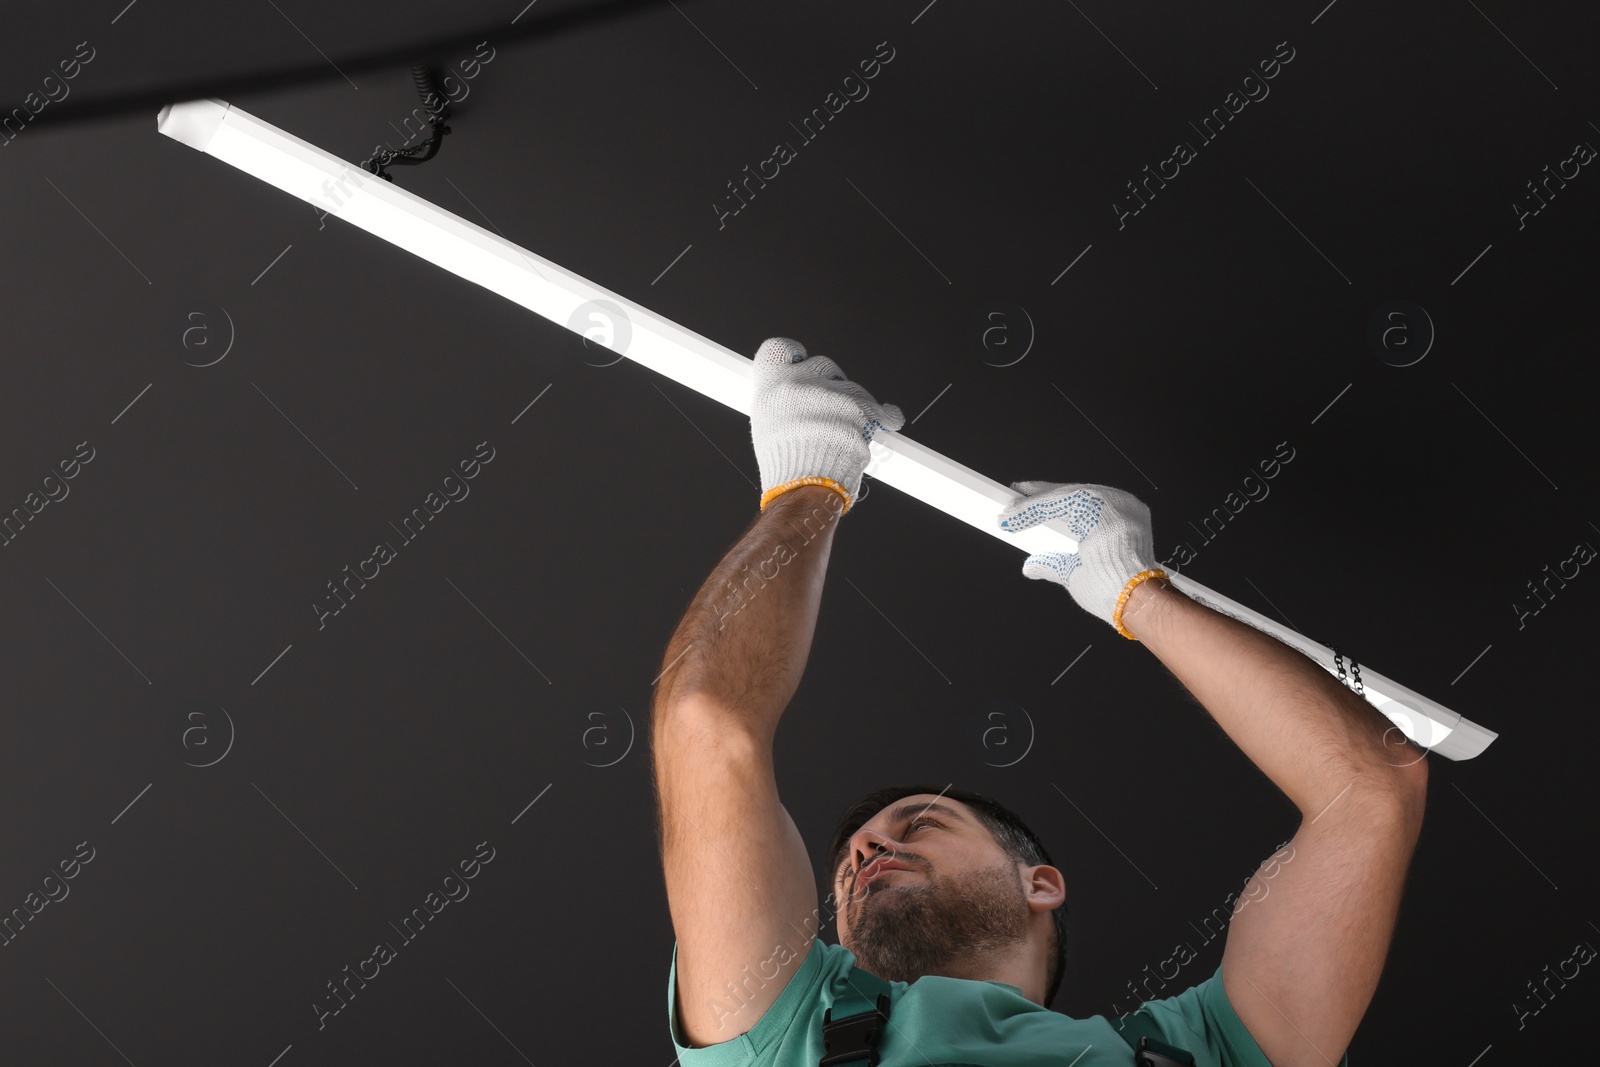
(744, 641)
(1308, 733)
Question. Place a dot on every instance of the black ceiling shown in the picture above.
(171, 590)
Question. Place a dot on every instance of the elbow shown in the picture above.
(1414, 781)
(1390, 788)
(1399, 785)
(1416, 769)
(1399, 770)
(701, 726)
(1408, 763)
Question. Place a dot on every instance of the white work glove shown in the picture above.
(1115, 545)
(809, 424)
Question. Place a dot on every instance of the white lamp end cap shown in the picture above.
(192, 122)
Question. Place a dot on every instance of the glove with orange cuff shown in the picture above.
(1116, 549)
(810, 425)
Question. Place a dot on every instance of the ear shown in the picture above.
(1046, 888)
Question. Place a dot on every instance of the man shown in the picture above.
(951, 935)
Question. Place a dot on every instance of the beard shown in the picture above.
(914, 924)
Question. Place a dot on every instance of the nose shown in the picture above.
(867, 845)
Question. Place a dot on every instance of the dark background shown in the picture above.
(164, 606)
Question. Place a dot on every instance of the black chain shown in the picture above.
(1355, 668)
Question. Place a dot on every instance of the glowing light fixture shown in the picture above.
(465, 249)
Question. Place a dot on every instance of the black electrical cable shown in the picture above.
(147, 102)
(428, 88)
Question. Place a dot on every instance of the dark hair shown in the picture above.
(1009, 832)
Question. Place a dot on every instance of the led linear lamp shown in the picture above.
(463, 248)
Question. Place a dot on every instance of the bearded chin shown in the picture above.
(898, 935)
(903, 932)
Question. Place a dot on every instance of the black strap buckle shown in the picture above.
(854, 1037)
(1152, 1053)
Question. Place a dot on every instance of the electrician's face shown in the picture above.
(961, 897)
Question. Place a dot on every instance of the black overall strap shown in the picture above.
(1144, 1037)
(853, 1026)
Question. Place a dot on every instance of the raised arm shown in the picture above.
(740, 885)
(1302, 960)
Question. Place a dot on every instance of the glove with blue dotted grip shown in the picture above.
(810, 425)
(1116, 549)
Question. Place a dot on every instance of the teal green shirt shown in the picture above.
(936, 1021)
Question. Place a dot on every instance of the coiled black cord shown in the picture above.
(438, 107)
